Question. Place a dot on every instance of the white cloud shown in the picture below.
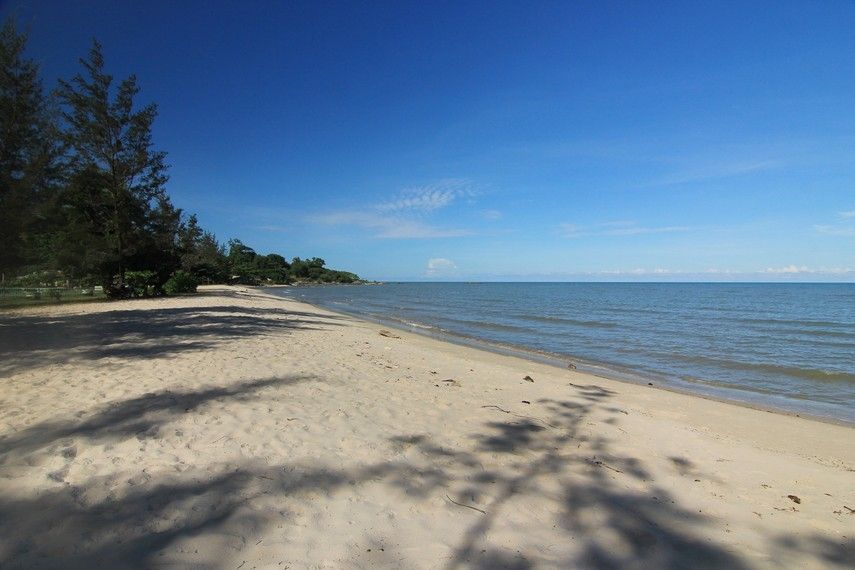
(491, 215)
(429, 198)
(274, 229)
(390, 227)
(844, 226)
(797, 269)
(786, 272)
(721, 170)
(437, 266)
(401, 218)
(404, 229)
(621, 228)
(838, 230)
(788, 269)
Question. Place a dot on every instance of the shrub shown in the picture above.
(140, 283)
(38, 279)
(181, 282)
(33, 294)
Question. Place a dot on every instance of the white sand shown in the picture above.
(234, 430)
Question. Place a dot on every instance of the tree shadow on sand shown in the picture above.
(68, 528)
(612, 527)
(610, 509)
(609, 512)
(140, 417)
(28, 341)
(127, 520)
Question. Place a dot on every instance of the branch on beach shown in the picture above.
(467, 506)
(544, 422)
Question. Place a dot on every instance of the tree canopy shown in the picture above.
(83, 196)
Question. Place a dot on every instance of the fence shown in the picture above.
(22, 296)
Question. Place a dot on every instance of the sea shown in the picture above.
(784, 346)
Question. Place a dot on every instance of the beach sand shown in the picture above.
(237, 430)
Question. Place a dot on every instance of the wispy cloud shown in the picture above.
(836, 230)
(620, 228)
(845, 226)
(793, 269)
(492, 215)
(783, 272)
(402, 217)
(430, 197)
(788, 272)
(274, 229)
(720, 170)
(388, 227)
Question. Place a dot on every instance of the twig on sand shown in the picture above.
(467, 506)
(503, 410)
(599, 463)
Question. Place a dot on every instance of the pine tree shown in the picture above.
(30, 154)
(115, 170)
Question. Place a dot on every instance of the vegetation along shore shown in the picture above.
(84, 205)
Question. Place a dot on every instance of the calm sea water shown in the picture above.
(787, 346)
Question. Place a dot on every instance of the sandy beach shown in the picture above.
(237, 430)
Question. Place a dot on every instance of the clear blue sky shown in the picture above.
(530, 140)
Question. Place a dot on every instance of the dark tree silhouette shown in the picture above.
(30, 153)
(114, 166)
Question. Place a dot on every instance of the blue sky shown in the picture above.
(505, 141)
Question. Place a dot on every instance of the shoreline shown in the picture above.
(598, 370)
(238, 428)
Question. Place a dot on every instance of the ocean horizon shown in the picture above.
(783, 346)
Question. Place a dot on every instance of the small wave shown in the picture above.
(792, 371)
(634, 311)
(421, 326)
(566, 321)
(818, 324)
(811, 332)
(493, 326)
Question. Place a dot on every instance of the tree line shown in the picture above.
(83, 196)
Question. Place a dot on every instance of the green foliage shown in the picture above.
(141, 283)
(45, 278)
(200, 254)
(117, 178)
(181, 282)
(30, 150)
(250, 268)
(83, 198)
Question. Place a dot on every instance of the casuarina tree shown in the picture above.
(30, 153)
(115, 170)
